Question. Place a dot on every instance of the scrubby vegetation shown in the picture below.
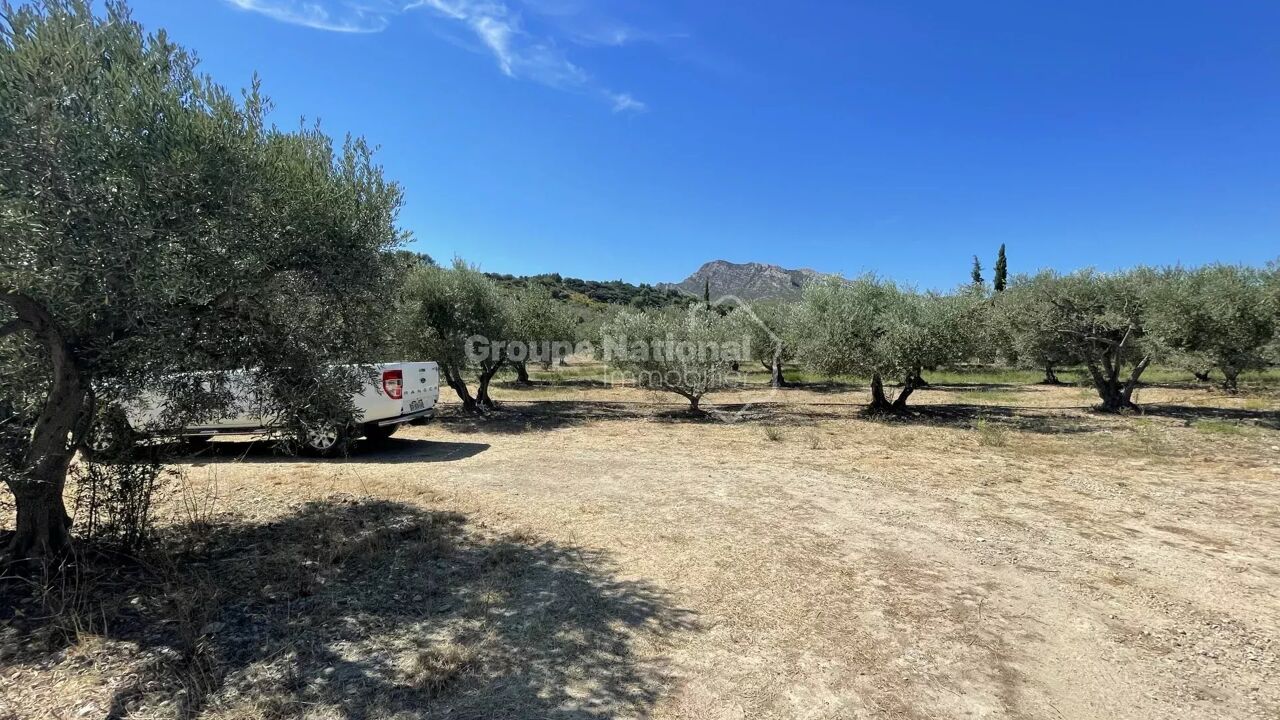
(612, 292)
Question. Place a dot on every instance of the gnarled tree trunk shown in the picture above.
(909, 384)
(1050, 377)
(487, 370)
(1116, 395)
(879, 402)
(1229, 378)
(42, 523)
(522, 373)
(916, 380)
(776, 378)
(453, 377)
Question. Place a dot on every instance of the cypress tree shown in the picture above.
(1002, 270)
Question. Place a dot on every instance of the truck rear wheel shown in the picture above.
(326, 440)
(111, 436)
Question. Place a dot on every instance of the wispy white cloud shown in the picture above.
(336, 16)
(623, 102)
(500, 30)
(519, 52)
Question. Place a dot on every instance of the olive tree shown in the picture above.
(1026, 340)
(1272, 351)
(1218, 316)
(924, 331)
(1099, 321)
(153, 224)
(875, 328)
(771, 335)
(457, 316)
(689, 352)
(542, 329)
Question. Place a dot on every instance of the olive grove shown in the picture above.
(1218, 316)
(874, 328)
(689, 352)
(444, 308)
(1098, 320)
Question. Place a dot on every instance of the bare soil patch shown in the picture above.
(588, 552)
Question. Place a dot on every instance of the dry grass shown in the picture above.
(989, 434)
(594, 554)
(437, 667)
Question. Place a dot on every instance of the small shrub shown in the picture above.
(1150, 439)
(198, 499)
(115, 501)
(772, 433)
(990, 435)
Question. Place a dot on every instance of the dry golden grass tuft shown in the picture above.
(437, 667)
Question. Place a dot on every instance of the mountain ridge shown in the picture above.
(748, 281)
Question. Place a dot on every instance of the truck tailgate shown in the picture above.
(421, 386)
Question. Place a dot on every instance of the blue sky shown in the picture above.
(636, 139)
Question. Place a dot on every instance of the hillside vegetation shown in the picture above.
(612, 292)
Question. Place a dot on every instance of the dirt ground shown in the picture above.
(590, 552)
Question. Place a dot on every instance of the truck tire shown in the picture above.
(326, 440)
(110, 438)
(377, 434)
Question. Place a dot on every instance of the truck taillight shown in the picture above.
(393, 384)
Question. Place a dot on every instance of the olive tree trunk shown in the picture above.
(879, 402)
(695, 399)
(1116, 394)
(42, 524)
(776, 378)
(522, 373)
(487, 370)
(453, 377)
(909, 384)
(1229, 378)
(1050, 377)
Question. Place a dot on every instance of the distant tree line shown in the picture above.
(612, 292)
(1112, 326)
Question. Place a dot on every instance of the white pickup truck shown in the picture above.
(398, 393)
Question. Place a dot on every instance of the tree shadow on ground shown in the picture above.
(1191, 413)
(1034, 420)
(363, 609)
(522, 416)
(391, 451)
(549, 415)
(578, 383)
(830, 387)
(982, 387)
(527, 416)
